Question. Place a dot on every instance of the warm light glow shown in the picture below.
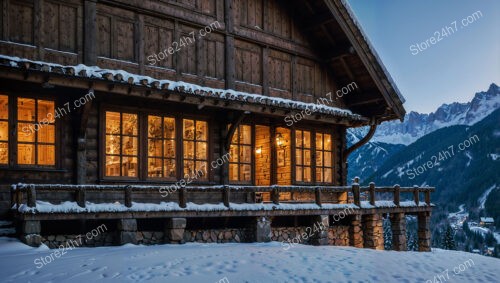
(258, 150)
(121, 146)
(4, 129)
(240, 160)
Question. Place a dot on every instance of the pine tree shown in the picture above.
(411, 241)
(448, 242)
(387, 235)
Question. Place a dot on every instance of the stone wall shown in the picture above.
(285, 234)
(55, 241)
(219, 236)
(338, 235)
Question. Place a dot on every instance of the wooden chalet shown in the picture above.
(169, 121)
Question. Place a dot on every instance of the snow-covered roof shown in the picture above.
(124, 77)
(487, 219)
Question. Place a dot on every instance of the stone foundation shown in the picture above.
(55, 241)
(218, 236)
(338, 236)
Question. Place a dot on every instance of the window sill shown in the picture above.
(34, 169)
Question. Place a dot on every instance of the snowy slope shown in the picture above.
(256, 262)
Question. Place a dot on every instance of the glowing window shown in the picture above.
(121, 144)
(195, 148)
(324, 158)
(240, 160)
(303, 156)
(4, 130)
(161, 147)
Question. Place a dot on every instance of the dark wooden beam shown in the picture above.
(360, 143)
(90, 33)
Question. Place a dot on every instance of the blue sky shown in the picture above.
(453, 69)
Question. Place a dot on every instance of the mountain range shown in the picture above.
(419, 151)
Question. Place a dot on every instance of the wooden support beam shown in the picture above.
(90, 33)
(31, 196)
(128, 196)
(226, 196)
(360, 143)
(396, 195)
(356, 194)
(80, 196)
(428, 197)
(182, 197)
(416, 196)
(317, 193)
(275, 195)
(234, 125)
(372, 193)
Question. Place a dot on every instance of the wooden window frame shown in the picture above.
(142, 114)
(208, 150)
(294, 156)
(252, 157)
(317, 151)
(163, 139)
(13, 132)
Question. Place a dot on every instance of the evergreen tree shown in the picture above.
(490, 240)
(387, 235)
(411, 241)
(448, 239)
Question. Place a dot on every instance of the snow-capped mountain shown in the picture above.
(417, 125)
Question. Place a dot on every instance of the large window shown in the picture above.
(195, 147)
(303, 156)
(324, 156)
(4, 130)
(121, 144)
(161, 147)
(35, 132)
(240, 161)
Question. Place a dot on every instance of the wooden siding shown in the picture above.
(128, 36)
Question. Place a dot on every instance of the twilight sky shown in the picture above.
(455, 68)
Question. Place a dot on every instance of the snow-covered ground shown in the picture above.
(258, 262)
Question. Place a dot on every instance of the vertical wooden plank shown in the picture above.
(229, 51)
(226, 196)
(317, 192)
(396, 195)
(275, 195)
(295, 77)
(182, 197)
(38, 28)
(176, 59)
(264, 71)
(372, 193)
(31, 196)
(90, 33)
(80, 196)
(139, 42)
(356, 194)
(128, 196)
(416, 196)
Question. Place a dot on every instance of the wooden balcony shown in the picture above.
(51, 202)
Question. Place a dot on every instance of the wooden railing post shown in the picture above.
(428, 197)
(355, 193)
(416, 195)
(275, 195)
(372, 193)
(225, 196)
(128, 196)
(32, 196)
(317, 193)
(396, 194)
(80, 196)
(13, 195)
(182, 197)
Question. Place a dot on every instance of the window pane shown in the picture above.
(113, 123)
(4, 107)
(4, 153)
(112, 166)
(328, 142)
(188, 132)
(169, 148)
(129, 124)
(188, 168)
(113, 144)
(47, 134)
(298, 173)
(319, 159)
(189, 150)
(46, 111)
(307, 157)
(246, 173)
(155, 167)
(234, 153)
(319, 175)
(169, 128)
(307, 174)
(201, 168)
(26, 135)
(298, 138)
(245, 134)
(298, 158)
(26, 154)
(129, 146)
(234, 139)
(307, 140)
(154, 127)
(25, 109)
(201, 130)
(46, 155)
(233, 172)
(328, 175)
(155, 148)
(328, 159)
(4, 131)
(246, 154)
(129, 166)
(201, 150)
(319, 141)
(169, 167)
